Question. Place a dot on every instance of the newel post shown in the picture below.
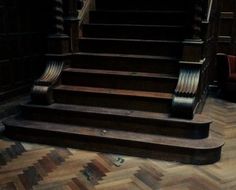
(58, 48)
(58, 41)
(186, 95)
(197, 20)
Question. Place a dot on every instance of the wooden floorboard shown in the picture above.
(26, 166)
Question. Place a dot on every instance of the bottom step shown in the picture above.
(203, 151)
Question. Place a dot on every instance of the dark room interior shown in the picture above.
(117, 94)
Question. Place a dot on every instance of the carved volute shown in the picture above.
(185, 99)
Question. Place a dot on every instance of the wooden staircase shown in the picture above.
(111, 84)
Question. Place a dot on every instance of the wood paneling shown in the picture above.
(23, 26)
(227, 27)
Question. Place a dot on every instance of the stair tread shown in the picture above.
(134, 30)
(135, 25)
(142, 11)
(131, 46)
(197, 120)
(121, 73)
(120, 92)
(141, 5)
(128, 55)
(153, 17)
(202, 144)
(132, 40)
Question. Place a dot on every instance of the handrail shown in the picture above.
(84, 12)
(209, 12)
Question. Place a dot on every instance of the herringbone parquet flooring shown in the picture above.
(26, 166)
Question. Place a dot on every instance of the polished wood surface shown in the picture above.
(176, 94)
(27, 166)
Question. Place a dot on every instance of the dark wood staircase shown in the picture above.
(115, 88)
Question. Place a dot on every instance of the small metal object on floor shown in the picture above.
(117, 160)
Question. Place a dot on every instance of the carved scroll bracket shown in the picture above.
(184, 101)
(42, 89)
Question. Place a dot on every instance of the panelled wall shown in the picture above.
(23, 26)
(227, 27)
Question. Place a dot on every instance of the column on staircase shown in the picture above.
(187, 92)
(58, 48)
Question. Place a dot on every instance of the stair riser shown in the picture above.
(102, 121)
(143, 5)
(119, 82)
(126, 64)
(134, 32)
(112, 101)
(131, 47)
(142, 18)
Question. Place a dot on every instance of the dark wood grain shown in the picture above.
(119, 80)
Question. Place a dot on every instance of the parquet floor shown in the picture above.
(27, 166)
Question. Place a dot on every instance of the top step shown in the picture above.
(144, 5)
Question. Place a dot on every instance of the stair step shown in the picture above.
(140, 17)
(119, 119)
(126, 62)
(202, 151)
(116, 98)
(119, 79)
(127, 31)
(141, 5)
(128, 46)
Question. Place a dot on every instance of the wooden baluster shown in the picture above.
(57, 40)
(197, 20)
(58, 21)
